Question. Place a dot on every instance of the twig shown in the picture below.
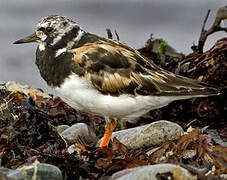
(205, 21)
(220, 16)
(116, 34)
(109, 33)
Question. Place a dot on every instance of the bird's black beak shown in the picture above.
(28, 39)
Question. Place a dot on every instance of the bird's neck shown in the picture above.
(53, 69)
(53, 61)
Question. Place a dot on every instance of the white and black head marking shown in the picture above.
(52, 29)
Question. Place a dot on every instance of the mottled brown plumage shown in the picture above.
(114, 68)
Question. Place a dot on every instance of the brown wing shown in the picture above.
(115, 68)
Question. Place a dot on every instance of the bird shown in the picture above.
(105, 77)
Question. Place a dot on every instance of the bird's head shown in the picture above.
(51, 30)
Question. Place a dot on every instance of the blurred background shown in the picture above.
(178, 22)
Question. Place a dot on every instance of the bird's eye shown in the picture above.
(41, 29)
(49, 29)
(65, 23)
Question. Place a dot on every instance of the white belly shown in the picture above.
(81, 95)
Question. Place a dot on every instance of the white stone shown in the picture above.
(151, 171)
(79, 132)
(148, 135)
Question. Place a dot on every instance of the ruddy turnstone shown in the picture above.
(103, 76)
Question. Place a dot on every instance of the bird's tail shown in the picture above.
(176, 85)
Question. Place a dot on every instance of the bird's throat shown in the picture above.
(54, 69)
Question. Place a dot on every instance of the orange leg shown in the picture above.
(110, 126)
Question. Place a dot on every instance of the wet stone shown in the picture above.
(61, 128)
(37, 171)
(151, 134)
(154, 172)
(80, 133)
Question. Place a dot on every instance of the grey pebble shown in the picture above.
(154, 133)
(80, 133)
(61, 128)
(37, 171)
(152, 171)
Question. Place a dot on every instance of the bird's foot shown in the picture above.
(110, 126)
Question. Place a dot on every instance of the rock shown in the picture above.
(151, 134)
(61, 128)
(37, 171)
(11, 174)
(16, 86)
(154, 172)
(80, 133)
(37, 96)
(2, 175)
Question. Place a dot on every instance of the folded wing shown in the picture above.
(115, 68)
